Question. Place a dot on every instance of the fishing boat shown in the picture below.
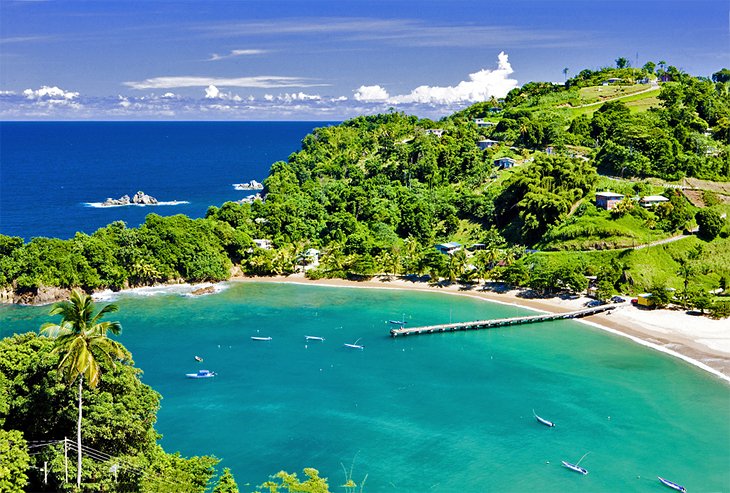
(543, 420)
(256, 338)
(355, 345)
(397, 322)
(574, 467)
(314, 338)
(198, 359)
(201, 374)
(672, 485)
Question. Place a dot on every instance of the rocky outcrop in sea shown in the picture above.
(140, 198)
(252, 185)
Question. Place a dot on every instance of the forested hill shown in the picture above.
(374, 194)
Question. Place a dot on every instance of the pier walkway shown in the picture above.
(501, 322)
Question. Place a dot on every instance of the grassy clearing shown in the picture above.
(635, 102)
(659, 264)
(595, 94)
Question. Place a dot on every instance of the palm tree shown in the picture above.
(82, 342)
(565, 73)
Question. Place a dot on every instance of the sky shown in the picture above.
(326, 60)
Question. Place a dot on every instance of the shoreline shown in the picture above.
(707, 347)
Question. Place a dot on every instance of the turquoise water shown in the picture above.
(443, 412)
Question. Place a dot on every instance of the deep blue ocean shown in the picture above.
(50, 170)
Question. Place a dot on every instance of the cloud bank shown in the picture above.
(481, 86)
(219, 98)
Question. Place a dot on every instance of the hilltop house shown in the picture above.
(438, 132)
(486, 143)
(612, 80)
(608, 200)
(505, 162)
(448, 248)
(652, 200)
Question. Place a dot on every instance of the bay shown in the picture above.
(444, 412)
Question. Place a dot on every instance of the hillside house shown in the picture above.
(612, 80)
(438, 132)
(482, 123)
(486, 143)
(608, 200)
(505, 162)
(263, 244)
(652, 200)
(448, 248)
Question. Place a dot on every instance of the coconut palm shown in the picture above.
(81, 341)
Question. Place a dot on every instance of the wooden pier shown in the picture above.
(501, 322)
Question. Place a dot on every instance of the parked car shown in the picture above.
(617, 299)
(593, 303)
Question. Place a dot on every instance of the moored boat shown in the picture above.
(198, 359)
(201, 374)
(672, 484)
(543, 420)
(397, 322)
(255, 338)
(314, 338)
(574, 467)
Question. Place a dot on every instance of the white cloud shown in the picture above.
(211, 92)
(124, 102)
(371, 93)
(261, 82)
(269, 97)
(50, 93)
(7, 93)
(481, 86)
(234, 53)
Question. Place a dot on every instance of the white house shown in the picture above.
(608, 200)
(448, 248)
(505, 162)
(438, 132)
(652, 200)
(262, 243)
(486, 143)
(482, 123)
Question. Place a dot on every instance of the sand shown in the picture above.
(698, 340)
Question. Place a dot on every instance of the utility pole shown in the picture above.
(65, 458)
(45, 472)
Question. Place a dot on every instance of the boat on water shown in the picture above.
(355, 346)
(198, 359)
(255, 338)
(672, 485)
(201, 374)
(397, 322)
(543, 420)
(313, 338)
(574, 467)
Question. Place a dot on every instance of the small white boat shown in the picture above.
(398, 322)
(672, 485)
(198, 359)
(201, 374)
(355, 346)
(543, 420)
(255, 338)
(314, 338)
(574, 467)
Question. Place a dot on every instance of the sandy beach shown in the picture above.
(698, 340)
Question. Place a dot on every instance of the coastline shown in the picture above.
(699, 341)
